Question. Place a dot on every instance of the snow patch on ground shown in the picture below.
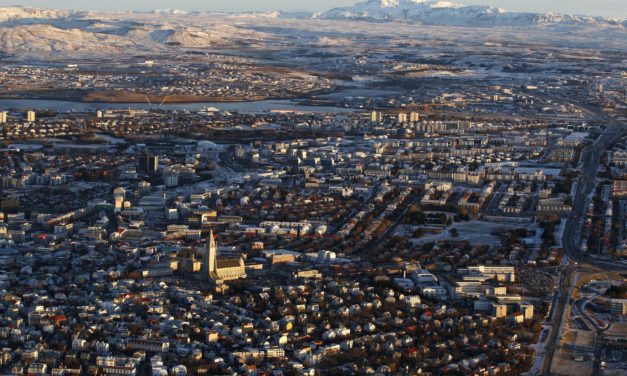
(475, 232)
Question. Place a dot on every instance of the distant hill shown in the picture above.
(446, 13)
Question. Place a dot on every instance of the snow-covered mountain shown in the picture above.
(16, 13)
(33, 31)
(432, 12)
(28, 32)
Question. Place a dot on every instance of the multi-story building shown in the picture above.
(618, 307)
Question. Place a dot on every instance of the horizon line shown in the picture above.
(185, 9)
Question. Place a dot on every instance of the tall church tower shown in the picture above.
(209, 258)
(220, 270)
(213, 253)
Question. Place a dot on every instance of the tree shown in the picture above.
(419, 233)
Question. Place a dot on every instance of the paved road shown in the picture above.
(496, 199)
(590, 162)
(226, 159)
(571, 239)
(559, 311)
(349, 216)
(396, 222)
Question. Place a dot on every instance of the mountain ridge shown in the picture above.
(434, 12)
(428, 12)
(35, 32)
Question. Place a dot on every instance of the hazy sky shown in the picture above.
(609, 8)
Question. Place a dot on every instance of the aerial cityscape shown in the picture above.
(394, 187)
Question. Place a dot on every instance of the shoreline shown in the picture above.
(138, 98)
(156, 102)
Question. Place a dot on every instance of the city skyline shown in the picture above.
(274, 187)
(604, 8)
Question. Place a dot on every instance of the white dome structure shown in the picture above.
(207, 147)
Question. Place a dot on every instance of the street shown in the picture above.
(571, 239)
